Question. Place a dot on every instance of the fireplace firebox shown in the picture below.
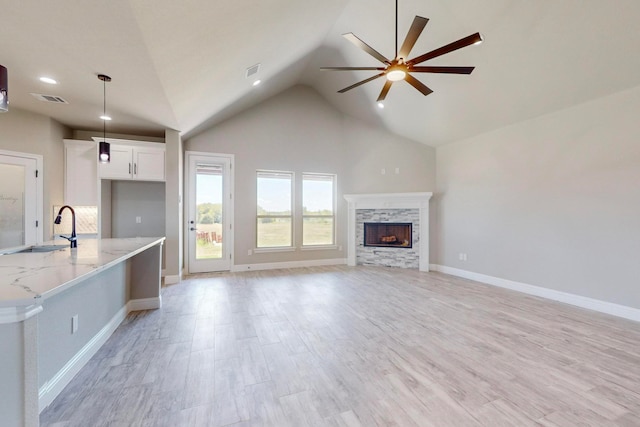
(388, 234)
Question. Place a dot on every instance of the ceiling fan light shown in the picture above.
(381, 105)
(396, 75)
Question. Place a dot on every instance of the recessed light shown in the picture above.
(106, 118)
(48, 80)
(380, 105)
(257, 82)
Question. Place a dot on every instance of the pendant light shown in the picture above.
(4, 90)
(104, 149)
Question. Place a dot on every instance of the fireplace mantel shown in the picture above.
(389, 201)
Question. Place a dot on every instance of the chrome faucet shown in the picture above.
(72, 239)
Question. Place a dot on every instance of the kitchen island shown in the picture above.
(57, 308)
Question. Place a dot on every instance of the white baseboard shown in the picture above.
(565, 297)
(288, 264)
(144, 304)
(172, 279)
(50, 390)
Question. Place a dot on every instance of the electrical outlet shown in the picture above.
(249, 252)
(397, 171)
(340, 248)
(74, 324)
(138, 220)
(462, 256)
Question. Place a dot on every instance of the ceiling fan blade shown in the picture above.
(459, 44)
(351, 68)
(418, 84)
(448, 70)
(362, 45)
(385, 90)
(412, 36)
(360, 83)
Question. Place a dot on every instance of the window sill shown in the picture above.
(319, 248)
(276, 249)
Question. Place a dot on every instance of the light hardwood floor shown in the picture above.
(363, 346)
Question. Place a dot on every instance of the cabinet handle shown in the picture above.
(129, 167)
(135, 168)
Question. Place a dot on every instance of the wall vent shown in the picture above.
(253, 70)
(49, 98)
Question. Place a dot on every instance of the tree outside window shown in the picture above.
(274, 209)
(318, 209)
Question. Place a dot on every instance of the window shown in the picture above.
(274, 215)
(318, 209)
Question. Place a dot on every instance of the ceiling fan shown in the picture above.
(401, 68)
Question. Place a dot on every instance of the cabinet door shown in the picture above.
(149, 164)
(81, 173)
(121, 164)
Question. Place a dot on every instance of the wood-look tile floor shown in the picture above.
(364, 346)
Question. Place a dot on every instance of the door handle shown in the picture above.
(135, 169)
(193, 229)
(129, 167)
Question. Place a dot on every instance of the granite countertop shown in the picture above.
(27, 278)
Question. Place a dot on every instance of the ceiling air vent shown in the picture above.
(253, 70)
(49, 98)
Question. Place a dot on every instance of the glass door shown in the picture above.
(209, 212)
(18, 201)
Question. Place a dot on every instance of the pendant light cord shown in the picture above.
(104, 109)
(396, 28)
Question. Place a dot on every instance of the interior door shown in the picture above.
(18, 201)
(209, 212)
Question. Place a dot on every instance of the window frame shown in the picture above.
(334, 180)
(291, 247)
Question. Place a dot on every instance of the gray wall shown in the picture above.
(552, 202)
(11, 372)
(174, 208)
(130, 199)
(95, 301)
(299, 131)
(32, 133)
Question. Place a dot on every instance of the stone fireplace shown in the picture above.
(390, 229)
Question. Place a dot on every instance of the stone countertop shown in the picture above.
(28, 278)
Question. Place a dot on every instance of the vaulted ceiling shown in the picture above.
(181, 64)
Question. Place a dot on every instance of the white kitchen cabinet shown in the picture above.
(143, 161)
(149, 163)
(80, 173)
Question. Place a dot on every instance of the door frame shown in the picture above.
(39, 234)
(229, 206)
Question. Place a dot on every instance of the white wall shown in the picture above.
(299, 131)
(552, 202)
(32, 133)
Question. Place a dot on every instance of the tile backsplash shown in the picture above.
(86, 220)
